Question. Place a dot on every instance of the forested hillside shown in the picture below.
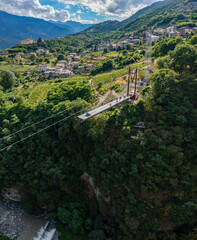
(158, 14)
(161, 15)
(129, 173)
(105, 178)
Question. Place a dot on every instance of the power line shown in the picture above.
(45, 119)
(64, 119)
(34, 124)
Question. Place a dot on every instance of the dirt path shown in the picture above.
(117, 95)
(102, 99)
(113, 93)
(40, 98)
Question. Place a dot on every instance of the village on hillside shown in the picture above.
(74, 63)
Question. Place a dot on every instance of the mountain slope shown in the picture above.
(15, 28)
(115, 25)
(144, 10)
(106, 26)
(153, 15)
(140, 19)
(75, 26)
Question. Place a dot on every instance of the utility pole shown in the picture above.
(135, 84)
(129, 76)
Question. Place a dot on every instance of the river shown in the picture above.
(17, 224)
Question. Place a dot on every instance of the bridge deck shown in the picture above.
(103, 108)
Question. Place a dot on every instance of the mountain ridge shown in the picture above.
(74, 26)
(16, 28)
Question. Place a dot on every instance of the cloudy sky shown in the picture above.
(85, 11)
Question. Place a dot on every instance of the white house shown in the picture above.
(74, 65)
(123, 45)
(73, 54)
(89, 67)
(84, 53)
(76, 58)
(59, 73)
(81, 69)
(114, 45)
(154, 38)
(171, 31)
(18, 57)
(47, 52)
(43, 68)
(100, 48)
(60, 65)
(159, 31)
(184, 31)
(40, 51)
(28, 41)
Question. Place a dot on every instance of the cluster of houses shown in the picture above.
(58, 71)
(187, 6)
(27, 41)
(172, 31)
(43, 51)
(65, 68)
(121, 44)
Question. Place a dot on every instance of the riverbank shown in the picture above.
(17, 224)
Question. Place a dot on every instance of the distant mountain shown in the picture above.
(16, 28)
(73, 26)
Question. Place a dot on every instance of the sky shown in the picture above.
(84, 11)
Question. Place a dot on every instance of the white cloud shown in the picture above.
(33, 8)
(116, 8)
(67, 7)
(112, 9)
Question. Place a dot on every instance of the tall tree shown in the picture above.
(7, 79)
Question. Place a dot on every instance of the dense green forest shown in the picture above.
(105, 178)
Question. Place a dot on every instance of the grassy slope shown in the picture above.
(38, 91)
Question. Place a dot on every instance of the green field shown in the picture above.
(35, 92)
(110, 76)
(16, 67)
(112, 54)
